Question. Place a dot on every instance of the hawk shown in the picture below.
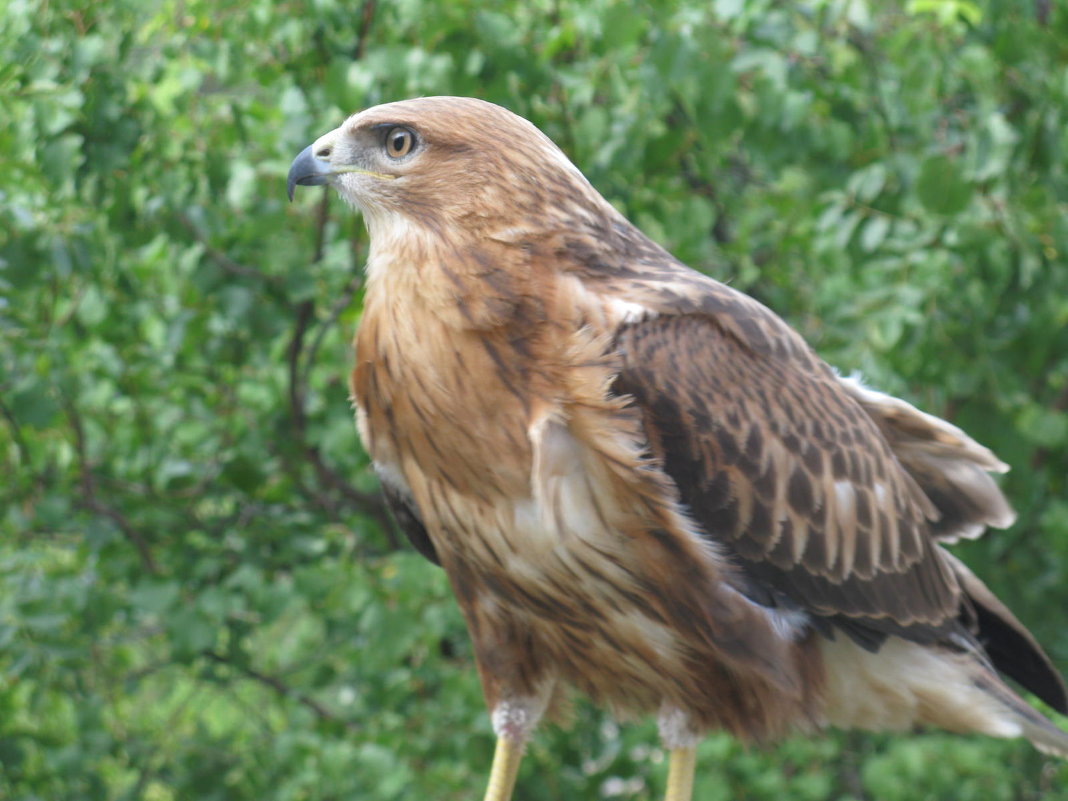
(644, 485)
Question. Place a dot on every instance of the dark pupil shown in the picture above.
(398, 141)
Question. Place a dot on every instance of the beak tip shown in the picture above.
(306, 170)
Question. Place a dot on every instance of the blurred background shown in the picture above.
(200, 597)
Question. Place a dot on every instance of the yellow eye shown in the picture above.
(399, 142)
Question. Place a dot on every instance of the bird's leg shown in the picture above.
(680, 774)
(506, 759)
(516, 682)
(514, 720)
(680, 738)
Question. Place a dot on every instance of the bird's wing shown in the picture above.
(407, 517)
(952, 468)
(778, 460)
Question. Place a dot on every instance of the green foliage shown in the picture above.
(198, 595)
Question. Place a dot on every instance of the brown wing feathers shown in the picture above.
(831, 495)
(773, 461)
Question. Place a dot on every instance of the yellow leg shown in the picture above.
(680, 774)
(505, 767)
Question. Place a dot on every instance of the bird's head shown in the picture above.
(442, 162)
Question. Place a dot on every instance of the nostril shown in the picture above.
(323, 152)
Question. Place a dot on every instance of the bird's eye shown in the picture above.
(399, 142)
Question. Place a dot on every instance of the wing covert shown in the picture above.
(774, 459)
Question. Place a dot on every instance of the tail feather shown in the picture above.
(1047, 738)
(1010, 646)
(1042, 732)
(907, 684)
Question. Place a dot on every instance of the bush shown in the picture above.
(199, 597)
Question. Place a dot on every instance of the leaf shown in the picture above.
(874, 232)
(940, 186)
(154, 597)
(33, 405)
(1045, 427)
(866, 184)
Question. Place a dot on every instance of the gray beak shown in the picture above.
(307, 170)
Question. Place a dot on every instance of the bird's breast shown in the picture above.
(447, 404)
(536, 489)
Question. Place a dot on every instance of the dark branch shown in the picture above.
(16, 433)
(282, 689)
(298, 361)
(367, 503)
(336, 311)
(864, 45)
(91, 500)
(222, 260)
(1042, 9)
(367, 15)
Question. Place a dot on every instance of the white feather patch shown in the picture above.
(906, 684)
(676, 730)
(516, 718)
(626, 311)
(790, 624)
(391, 475)
(563, 491)
(845, 497)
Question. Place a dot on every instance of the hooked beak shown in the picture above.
(307, 170)
(310, 170)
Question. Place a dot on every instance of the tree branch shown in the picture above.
(1042, 10)
(367, 15)
(16, 433)
(862, 42)
(283, 689)
(222, 260)
(299, 367)
(342, 303)
(93, 503)
(367, 503)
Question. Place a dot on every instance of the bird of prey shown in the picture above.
(642, 484)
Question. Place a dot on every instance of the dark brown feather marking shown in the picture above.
(406, 516)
